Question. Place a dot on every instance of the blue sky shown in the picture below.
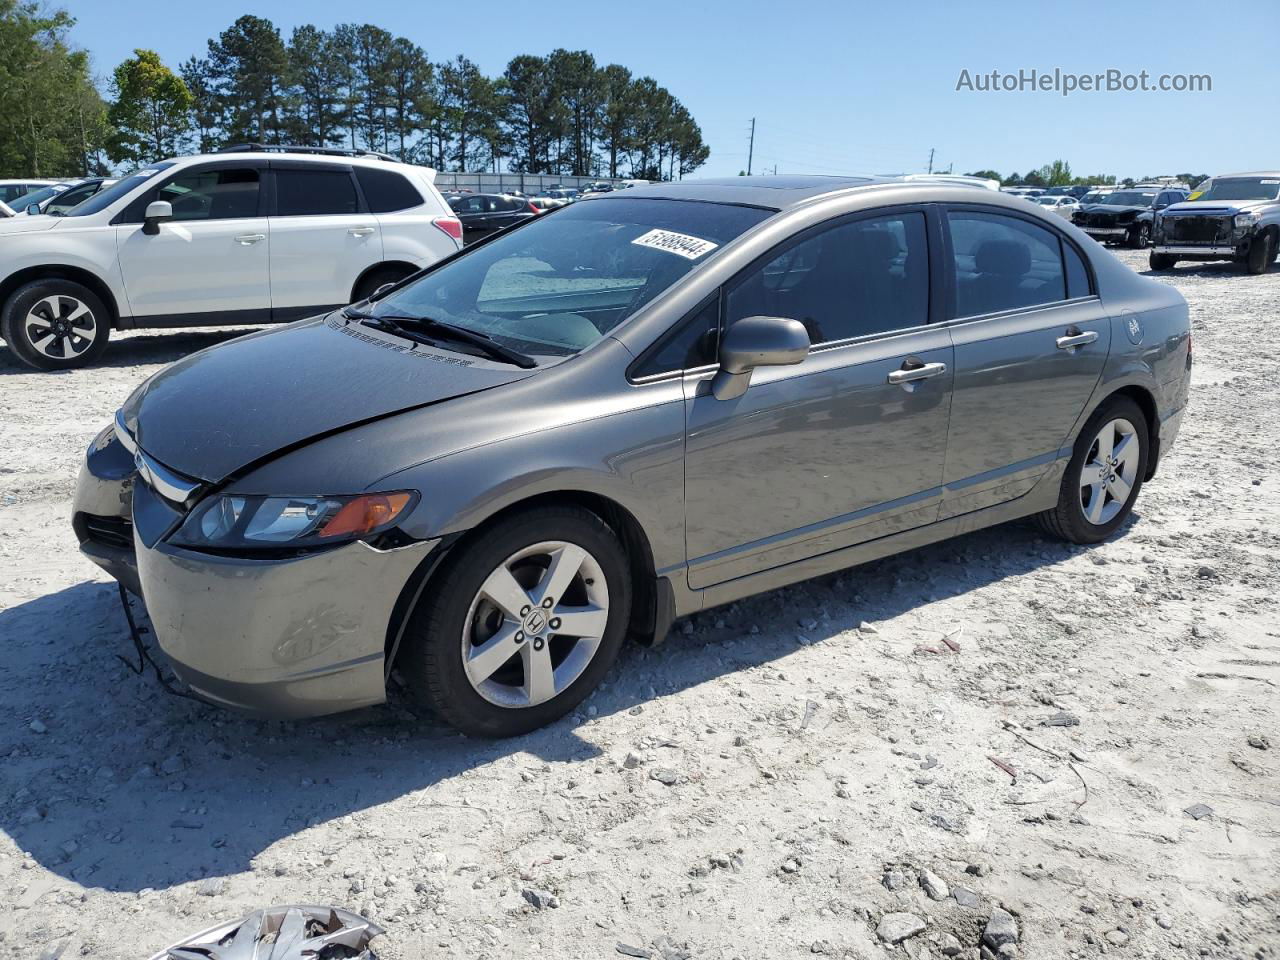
(843, 87)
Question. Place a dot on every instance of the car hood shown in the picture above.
(1109, 208)
(1215, 208)
(22, 223)
(239, 403)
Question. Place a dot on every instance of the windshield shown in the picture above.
(562, 282)
(38, 196)
(1129, 198)
(123, 187)
(1243, 188)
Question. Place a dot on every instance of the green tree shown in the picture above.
(52, 121)
(986, 175)
(579, 91)
(409, 76)
(616, 113)
(151, 111)
(315, 78)
(529, 108)
(206, 103)
(372, 49)
(248, 63)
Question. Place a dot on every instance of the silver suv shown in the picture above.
(620, 413)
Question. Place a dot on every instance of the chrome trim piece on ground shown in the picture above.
(1196, 251)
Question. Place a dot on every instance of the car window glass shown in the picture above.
(225, 193)
(311, 193)
(852, 280)
(1003, 263)
(69, 199)
(387, 191)
(1077, 275)
(690, 343)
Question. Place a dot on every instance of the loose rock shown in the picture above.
(896, 927)
(1001, 929)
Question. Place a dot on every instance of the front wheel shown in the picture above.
(1261, 253)
(55, 324)
(1140, 236)
(1163, 261)
(1104, 474)
(522, 625)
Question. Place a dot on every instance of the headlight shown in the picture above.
(1246, 219)
(233, 521)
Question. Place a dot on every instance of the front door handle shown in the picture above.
(1074, 339)
(360, 231)
(908, 375)
(247, 239)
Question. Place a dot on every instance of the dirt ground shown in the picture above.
(1087, 739)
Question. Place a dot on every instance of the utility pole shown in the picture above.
(751, 146)
(931, 159)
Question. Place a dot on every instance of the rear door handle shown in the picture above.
(909, 375)
(1073, 340)
(360, 231)
(246, 239)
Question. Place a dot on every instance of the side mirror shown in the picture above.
(757, 342)
(158, 211)
(33, 209)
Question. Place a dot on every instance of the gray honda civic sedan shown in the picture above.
(617, 414)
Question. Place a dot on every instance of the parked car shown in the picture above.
(547, 203)
(11, 190)
(483, 214)
(1234, 217)
(1076, 191)
(632, 410)
(1125, 216)
(1062, 205)
(247, 235)
(56, 200)
(1096, 194)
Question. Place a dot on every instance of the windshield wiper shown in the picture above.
(396, 323)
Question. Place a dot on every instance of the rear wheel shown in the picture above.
(1140, 236)
(1104, 475)
(522, 625)
(1261, 253)
(55, 324)
(1163, 261)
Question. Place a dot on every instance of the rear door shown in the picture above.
(322, 237)
(1031, 338)
(210, 262)
(850, 444)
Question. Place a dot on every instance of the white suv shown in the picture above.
(251, 234)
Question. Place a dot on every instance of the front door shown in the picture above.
(212, 258)
(845, 447)
(1031, 340)
(321, 238)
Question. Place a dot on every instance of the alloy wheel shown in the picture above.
(1110, 471)
(535, 624)
(60, 327)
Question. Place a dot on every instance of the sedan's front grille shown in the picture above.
(1197, 229)
(114, 532)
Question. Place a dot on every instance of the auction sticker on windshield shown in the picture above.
(682, 245)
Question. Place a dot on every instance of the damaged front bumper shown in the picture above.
(296, 636)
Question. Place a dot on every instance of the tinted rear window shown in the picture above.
(309, 193)
(386, 191)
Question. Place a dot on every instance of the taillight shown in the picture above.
(450, 225)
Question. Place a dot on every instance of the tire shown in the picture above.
(1163, 261)
(1261, 253)
(368, 285)
(1140, 236)
(1078, 521)
(498, 696)
(77, 322)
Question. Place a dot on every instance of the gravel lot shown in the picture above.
(1086, 739)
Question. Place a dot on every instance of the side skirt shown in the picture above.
(1042, 497)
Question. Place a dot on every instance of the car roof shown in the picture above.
(358, 159)
(779, 192)
(1253, 173)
